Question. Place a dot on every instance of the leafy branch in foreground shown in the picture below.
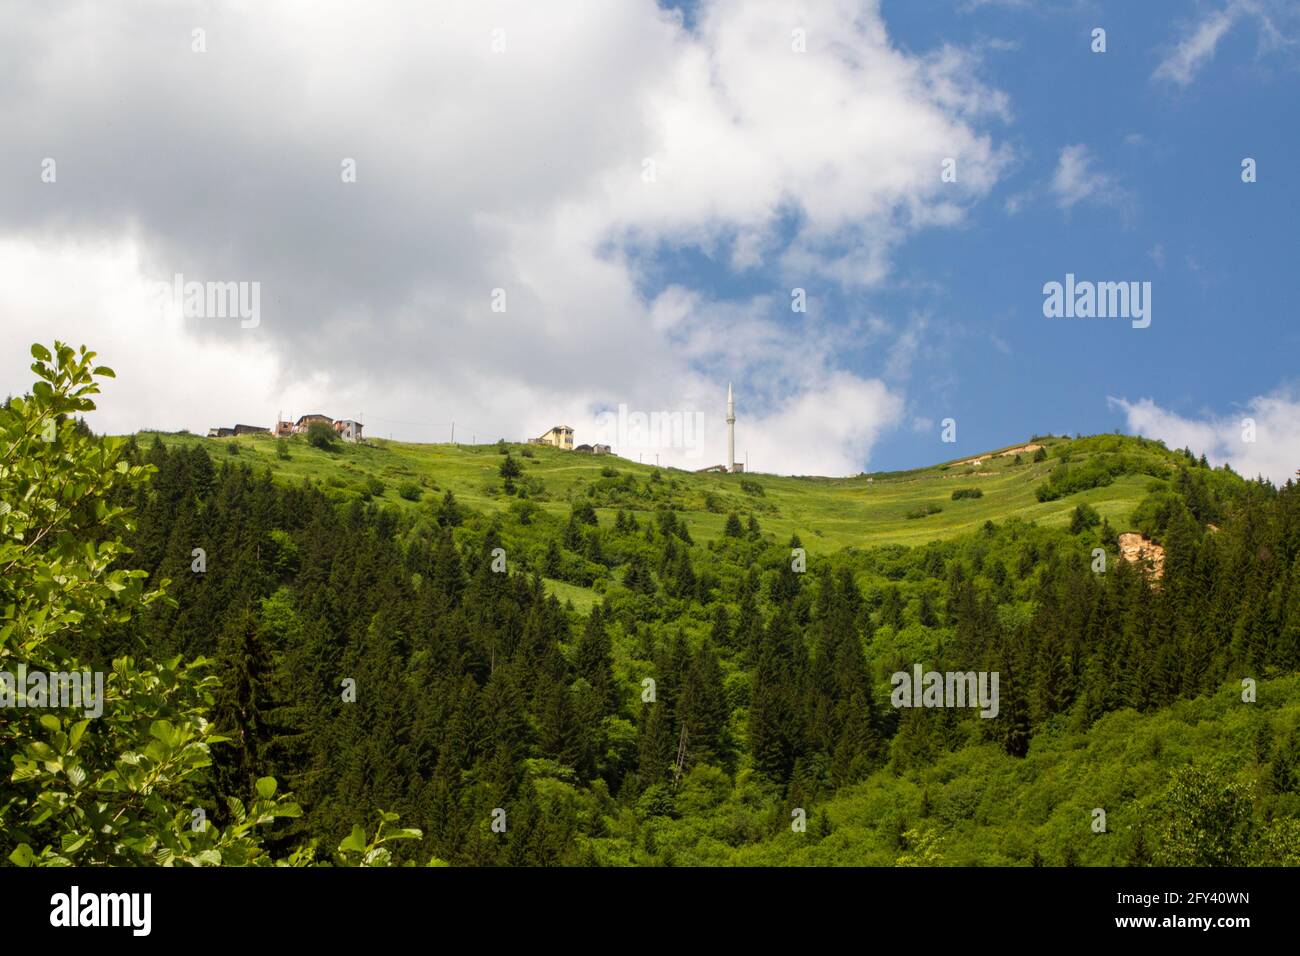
(125, 786)
(355, 850)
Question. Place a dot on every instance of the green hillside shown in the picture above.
(828, 514)
(636, 665)
(1155, 776)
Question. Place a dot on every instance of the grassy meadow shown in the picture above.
(828, 514)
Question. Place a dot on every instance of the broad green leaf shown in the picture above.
(163, 730)
(22, 856)
(355, 841)
(72, 842)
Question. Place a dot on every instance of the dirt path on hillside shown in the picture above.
(1021, 450)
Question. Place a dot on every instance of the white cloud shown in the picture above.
(1077, 180)
(165, 379)
(1274, 453)
(1197, 47)
(476, 170)
(828, 430)
(1201, 38)
(906, 348)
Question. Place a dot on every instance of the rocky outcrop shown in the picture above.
(1134, 548)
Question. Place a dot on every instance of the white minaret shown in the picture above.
(731, 431)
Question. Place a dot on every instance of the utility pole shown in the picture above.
(731, 431)
(453, 433)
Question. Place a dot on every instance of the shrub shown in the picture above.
(609, 472)
(1040, 455)
(961, 493)
(924, 511)
(1155, 513)
(374, 486)
(1085, 516)
(750, 487)
(1208, 819)
(525, 511)
(322, 436)
(509, 468)
(282, 449)
(1095, 472)
(410, 491)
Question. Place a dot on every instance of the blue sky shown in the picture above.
(555, 211)
(1169, 207)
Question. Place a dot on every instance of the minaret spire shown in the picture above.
(731, 431)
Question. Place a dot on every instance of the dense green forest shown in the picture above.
(717, 704)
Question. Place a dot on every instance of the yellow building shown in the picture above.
(561, 436)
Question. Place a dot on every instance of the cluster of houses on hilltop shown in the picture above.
(347, 429)
(558, 436)
(561, 436)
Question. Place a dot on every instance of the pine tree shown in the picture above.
(449, 512)
(891, 610)
(703, 707)
(720, 634)
(1013, 706)
(558, 735)
(774, 731)
(594, 662)
(656, 743)
(553, 563)
(1139, 853)
(637, 578)
(242, 707)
